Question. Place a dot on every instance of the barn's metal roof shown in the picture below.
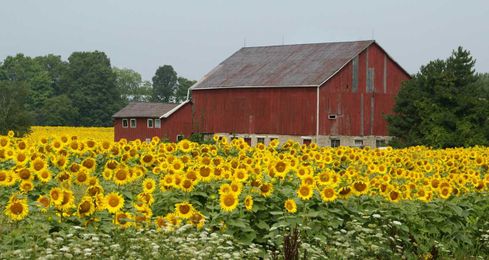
(299, 65)
(156, 110)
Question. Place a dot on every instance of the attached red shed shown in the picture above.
(146, 120)
(333, 93)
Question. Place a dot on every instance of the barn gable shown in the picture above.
(306, 65)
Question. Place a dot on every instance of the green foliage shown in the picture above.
(444, 105)
(91, 86)
(182, 88)
(58, 111)
(131, 86)
(164, 84)
(14, 115)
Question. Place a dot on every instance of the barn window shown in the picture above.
(354, 83)
(359, 143)
(306, 140)
(247, 140)
(179, 138)
(332, 116)
(335, 142)
(157, 123)
(133, 123)
(260, 140)
(125, 123)
(380, 143)
(370, 80)
(150, 123)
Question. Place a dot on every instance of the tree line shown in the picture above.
(85, 90)
(446, 104)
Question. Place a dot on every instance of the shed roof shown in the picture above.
(306, 65)
(139, 109)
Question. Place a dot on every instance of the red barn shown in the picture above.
(330, 93)
(144, 120)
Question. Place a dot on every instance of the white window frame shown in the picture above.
(131, 123)
(127, 123)
(335, 140)
(148, 122)
(180, 138)
(157, 123)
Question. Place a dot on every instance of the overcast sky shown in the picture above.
(195, 36)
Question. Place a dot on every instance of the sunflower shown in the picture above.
(184, 210)
(205, 173)
(17, 209)
(81, 177)
(44, 176)
(177, 165)
(328, 194)
(394, 196)
(187, 185)
(240, 175)
(344, 192)
(43, 202)
(173, 220)
(445, 192)
(167, 181)
(25, 174)
(161, 222)
(89, 163)
(60, 162)
(86, 207)
(38, 165)
(149, 185)
(56, 195)
(280, 168)
(5, 177)
(225, 188)
(68, 200)
(114, 202)
(20, 158)
(290, 206)
(123, 219)
(184, 146)
(121, 176)
(197, 219)
(305, 192)
(147, 160)
(228, 201)
(359, 187)
(248, 202)
(26, 186)
(266, 189)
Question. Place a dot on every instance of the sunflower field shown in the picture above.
(74, 192)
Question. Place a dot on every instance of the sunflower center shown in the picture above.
(121, 175)
(229, 200)
(184, 209)
(360, 186)
(280, 167)
(394, 195)
(38, 165)
(113, 201)
(3, 176)
(24, 174)
(147, 158)
(85, 207)
(81, 177)
(204, 172)
(328, 193)
(16, 208)
(304, 190)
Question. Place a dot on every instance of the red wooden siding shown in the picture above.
(284, 111)
(180, 122)
(336, 97)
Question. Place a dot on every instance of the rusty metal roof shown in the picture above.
(138, 109)
(299, 65)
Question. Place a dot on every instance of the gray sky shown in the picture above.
(194, 36)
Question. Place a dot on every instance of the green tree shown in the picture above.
(183, 85)
(131, 86)
(444, 105)
(164, 84)
(58, 111)
(91, 87)
(24, 69)
(55, 67)
(14, 115)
